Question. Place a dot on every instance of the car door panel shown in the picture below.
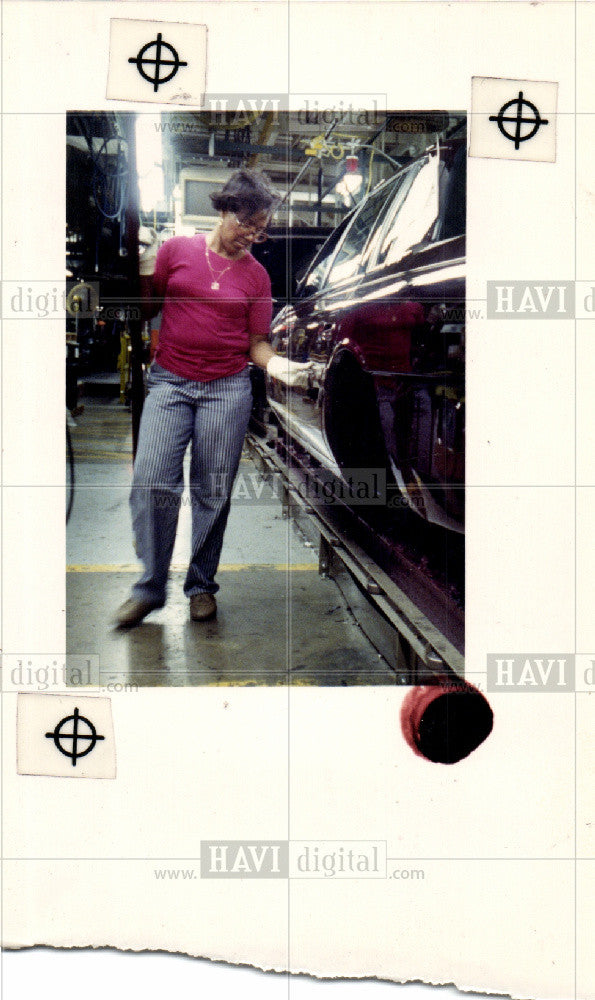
(387, 339)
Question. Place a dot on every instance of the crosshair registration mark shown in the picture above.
(78, 736)
(157, 62)
(535, 121)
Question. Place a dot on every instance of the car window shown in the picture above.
(351, 252)
(413, 216)
(403, 182)
(453, 201)
(316, 275)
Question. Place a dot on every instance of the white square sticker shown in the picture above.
(160, 62)
(513, 119)
(65, 737)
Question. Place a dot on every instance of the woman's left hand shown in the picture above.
(149, 244)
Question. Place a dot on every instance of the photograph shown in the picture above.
(265, 377)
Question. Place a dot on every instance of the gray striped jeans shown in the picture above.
(213, 417)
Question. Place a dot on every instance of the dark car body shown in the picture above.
(381, 314)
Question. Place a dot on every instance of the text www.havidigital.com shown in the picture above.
(242, 859)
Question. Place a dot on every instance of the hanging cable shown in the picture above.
(110, 182)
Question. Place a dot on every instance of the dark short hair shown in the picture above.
(246, 191)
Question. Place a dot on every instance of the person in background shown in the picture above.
(216, 305)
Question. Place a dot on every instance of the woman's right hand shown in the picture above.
(295, 374)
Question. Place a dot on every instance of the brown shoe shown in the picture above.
(132, 612)
(202, 607)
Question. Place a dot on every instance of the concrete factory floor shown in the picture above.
(278, 621)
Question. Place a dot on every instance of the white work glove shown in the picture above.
(148, 245)
(295, 374)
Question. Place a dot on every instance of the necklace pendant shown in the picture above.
(215, 286)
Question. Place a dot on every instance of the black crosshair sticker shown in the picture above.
(175, 62)
(535, 121)
(78, 735)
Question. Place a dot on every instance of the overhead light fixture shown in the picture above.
(351, 181)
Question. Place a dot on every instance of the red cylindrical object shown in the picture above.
(445, 722)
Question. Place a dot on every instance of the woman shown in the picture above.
(216, 314)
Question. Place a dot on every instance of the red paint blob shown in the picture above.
(446, 722)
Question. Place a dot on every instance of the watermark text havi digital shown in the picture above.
(292, 859)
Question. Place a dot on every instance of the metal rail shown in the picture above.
(415, 647)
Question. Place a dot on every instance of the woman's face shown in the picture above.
(239, 230)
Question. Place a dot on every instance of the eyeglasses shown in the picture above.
(257, 235)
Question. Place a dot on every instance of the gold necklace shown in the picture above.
(215, 286)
